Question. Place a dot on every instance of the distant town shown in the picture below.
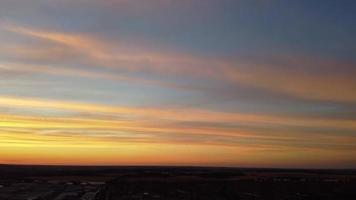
(176, 183)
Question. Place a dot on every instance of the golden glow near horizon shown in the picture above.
(111, 135)
(98, 85)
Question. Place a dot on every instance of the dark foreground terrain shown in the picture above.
(173, 183)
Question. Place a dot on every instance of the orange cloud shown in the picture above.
(300, 84)
(188, 114)
(160, 121)
(122, 55)
(156, 136)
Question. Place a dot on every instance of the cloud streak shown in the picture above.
(163, 126)
(140, 59)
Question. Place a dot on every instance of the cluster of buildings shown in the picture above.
(49, 190)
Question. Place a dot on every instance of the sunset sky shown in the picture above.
(245, 83)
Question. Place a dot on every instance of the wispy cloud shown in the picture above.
(121, 55)
(142, 59)
(166, 123)
(314, 86)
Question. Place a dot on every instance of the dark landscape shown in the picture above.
(176, 183)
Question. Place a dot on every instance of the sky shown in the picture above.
(235, 83)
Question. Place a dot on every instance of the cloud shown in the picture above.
(75, 132)
(141, 59)
(16, 68)
(301, 84)
(160, 115)
(121, 55)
